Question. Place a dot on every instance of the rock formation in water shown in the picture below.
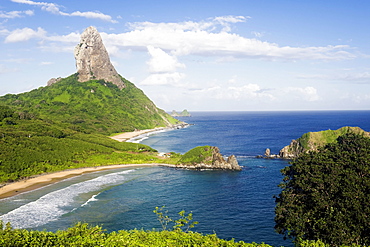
(207, 157)
(92, 59)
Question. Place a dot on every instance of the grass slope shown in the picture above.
(65, 126)
(197, 155)
(93, 106)
(314, 140)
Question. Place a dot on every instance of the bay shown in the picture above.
(237, 205)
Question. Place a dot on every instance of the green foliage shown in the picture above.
(162, 217)
(184, 223)
(63, 126)
(197, 155)
(83, 235)
(34, 146)
(314, 140)
(326, 194)
(95, 106)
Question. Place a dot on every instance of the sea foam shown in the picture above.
(53, 205)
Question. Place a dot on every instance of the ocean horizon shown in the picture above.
(238, 205)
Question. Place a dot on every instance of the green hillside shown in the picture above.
(66, 125)
(312, 141)
(197, 155)
(93, 106)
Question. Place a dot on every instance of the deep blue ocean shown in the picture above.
(237, 205)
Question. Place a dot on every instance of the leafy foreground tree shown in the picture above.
(326, 194)
(85, 235)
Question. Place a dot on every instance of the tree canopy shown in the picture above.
(326, 194)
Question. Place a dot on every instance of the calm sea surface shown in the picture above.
(237, 205)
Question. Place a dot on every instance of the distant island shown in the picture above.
(184, 113)
(312, 141)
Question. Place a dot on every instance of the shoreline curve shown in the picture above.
(38, 181)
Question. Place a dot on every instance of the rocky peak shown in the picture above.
(92, 59)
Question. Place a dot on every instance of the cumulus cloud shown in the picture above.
(161, 62)
(25, 34)
(306, 93)
(203, 38)
(16, 14)
(214, 38)
(162, 67)
(163, 79)
(55, 9)
(359, 77)
(241, 92)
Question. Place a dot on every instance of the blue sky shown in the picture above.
(201, 55)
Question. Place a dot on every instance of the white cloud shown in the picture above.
(306, 93)
(161, 62)
(243, 92)
(55, 9)
(203, 38)
(15, 14)
(4, 69)
(257, 34)
(46, 63)
(163, 79)
(213, 38)
(25, 34)
(360, 77)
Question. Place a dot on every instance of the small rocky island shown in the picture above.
(184, 113)
(312, 141)
(207, 157)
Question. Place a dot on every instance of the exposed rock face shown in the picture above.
(92, 59)
(211, 160)
(293, 150)
(53, 80)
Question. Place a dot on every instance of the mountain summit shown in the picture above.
(92, 59)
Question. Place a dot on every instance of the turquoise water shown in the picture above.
(236, 205)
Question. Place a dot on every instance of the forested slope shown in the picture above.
(93, 106)
(65, 126)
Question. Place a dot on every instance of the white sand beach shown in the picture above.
(129, 135)
(15, 188)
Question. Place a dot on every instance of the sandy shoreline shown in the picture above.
(38, 181)
(16, 188)
(129, 135)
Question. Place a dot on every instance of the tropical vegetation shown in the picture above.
(66, 125)
(95, 106)
(326, 194)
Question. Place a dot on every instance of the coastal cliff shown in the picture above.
(207, 157)
(311, 141)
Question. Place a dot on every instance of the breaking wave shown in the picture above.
(57, 203)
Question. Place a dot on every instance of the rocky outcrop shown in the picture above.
(53, 80)
(208, 157)
(92, 59)
(293, 150)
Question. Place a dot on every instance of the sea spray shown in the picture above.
(57, 203)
